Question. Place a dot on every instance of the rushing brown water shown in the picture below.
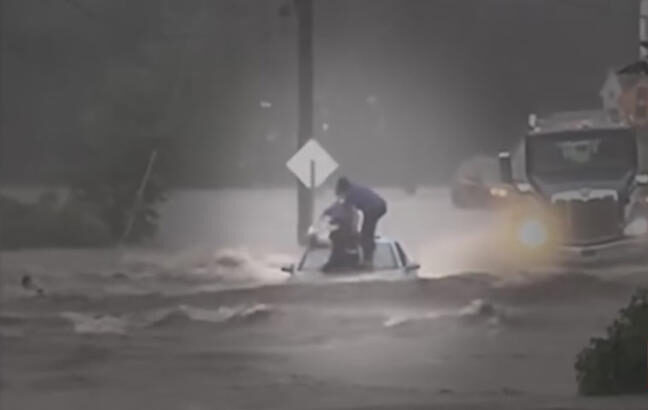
(206, 320)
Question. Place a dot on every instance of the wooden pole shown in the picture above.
(304, 10)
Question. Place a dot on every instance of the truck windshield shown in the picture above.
(591, 154)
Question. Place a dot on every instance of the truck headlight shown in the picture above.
(524, 187)
(532, 233)
(498, 192)
(638, 227)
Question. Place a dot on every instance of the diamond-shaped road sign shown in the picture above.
(610, 92)
(322, 163)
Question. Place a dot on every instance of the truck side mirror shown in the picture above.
(505, 168)
(641, 179)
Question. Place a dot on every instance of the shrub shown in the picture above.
(80, 226)
(109, 179)
(46, 224)
(617, 363)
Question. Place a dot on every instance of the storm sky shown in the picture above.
(404, 89)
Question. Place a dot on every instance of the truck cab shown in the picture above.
(582, 174)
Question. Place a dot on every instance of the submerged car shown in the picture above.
(585, 197)
(389, 258)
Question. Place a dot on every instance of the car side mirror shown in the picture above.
(288, 269)
(505, 167)
(412, 267)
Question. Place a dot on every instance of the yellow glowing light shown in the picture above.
(533, 233)
(498, 192)
(638, 227)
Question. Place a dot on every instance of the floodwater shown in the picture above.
(205, 319)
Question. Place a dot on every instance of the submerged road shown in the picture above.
(205, 321)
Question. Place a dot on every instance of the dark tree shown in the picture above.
(617, 363)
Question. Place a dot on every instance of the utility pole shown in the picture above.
(643, 29)
(304, 9)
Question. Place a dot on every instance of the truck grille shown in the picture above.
(589, 221)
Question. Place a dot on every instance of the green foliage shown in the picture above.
(108, 158)
(109, 185)
(617, 363)
(48, 224)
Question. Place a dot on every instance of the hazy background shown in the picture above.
(406, 88)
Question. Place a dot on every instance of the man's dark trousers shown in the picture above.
(368, 231)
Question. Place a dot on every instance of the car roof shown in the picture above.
(384, 239)
(379, 239)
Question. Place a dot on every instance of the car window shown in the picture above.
(401, 254)
(315, 258)
(384, 258)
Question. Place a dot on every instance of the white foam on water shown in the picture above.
(477, 310)
(97, 273)
(87, 323)
(401, 319)
(223, 266)
(223, 314)
(96, 324)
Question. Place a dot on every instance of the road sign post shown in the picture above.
(312, 165)
(643, 27)
(304, 9)
(313, 187)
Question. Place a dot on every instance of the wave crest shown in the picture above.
(87, 323)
